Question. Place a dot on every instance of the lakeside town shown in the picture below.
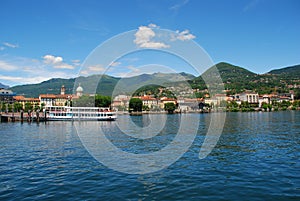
(147, 103)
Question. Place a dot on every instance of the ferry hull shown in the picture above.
(81, 119)
(56, 113)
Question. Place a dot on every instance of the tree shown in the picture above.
(84, 101)
(269, 107)
(36, 107)
(168, 94)
(297, 93)
(148, 89)
(146, 108)
(135, 104)
(9, 107)
(245, 104)
(18, 106)
(233, 106)
(170, 107)
(28, 106)
(266, 106)
(285, 104)
(246, 107)
(102, 101)
(3, 107)
(296, 103)
(200, 95)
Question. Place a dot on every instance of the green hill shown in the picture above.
(233, 77)
(104, 84)
(53, 86)
(230, 73)
(237, 79)
(292, 72)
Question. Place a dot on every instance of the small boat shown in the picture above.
(65, 113)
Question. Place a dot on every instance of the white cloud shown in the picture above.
(10, 45)
(93, 69)
(5, 66)
(20, 70)
(25, 80)
(183, 36)
(35, 76)
(155, 45)
(56, 62)
(2, 48)
(143, 35)
(64, 66)
(76, 62)
(96, 68)
(84, 72)
(133, 71)
(50, 59)
(151, 25)
(144, 38)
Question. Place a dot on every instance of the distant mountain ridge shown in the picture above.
(103, 84)
(288, 72)
(235, 79)
(3, 86)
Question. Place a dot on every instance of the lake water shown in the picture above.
(256, 158)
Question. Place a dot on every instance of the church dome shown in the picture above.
(79, 89)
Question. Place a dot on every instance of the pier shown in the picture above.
(23, 116)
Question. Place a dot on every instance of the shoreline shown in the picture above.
(16, 117)
(211, 111)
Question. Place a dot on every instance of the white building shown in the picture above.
(250, 97)
(264, 99)
(79, 91)
(55, 99)
(6, 96)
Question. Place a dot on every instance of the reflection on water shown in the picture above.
(257, 157)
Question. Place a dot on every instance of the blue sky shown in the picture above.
(44, 39)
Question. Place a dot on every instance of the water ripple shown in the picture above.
(256, 158)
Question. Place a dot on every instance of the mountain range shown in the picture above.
(2, 86)
(103, 84)
(235, 79)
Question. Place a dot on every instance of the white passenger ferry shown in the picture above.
(80, 113)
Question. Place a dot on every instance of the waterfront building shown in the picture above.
(63, 90)
(250, 97)
(54, 99)
(165, 100)
(188, 104)
(61, 99)
(286, 96)
(79, 91)
(23, 101)
(216, 100)
(149, 101)
(6, 96)
(120, 102)
(264, 99)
